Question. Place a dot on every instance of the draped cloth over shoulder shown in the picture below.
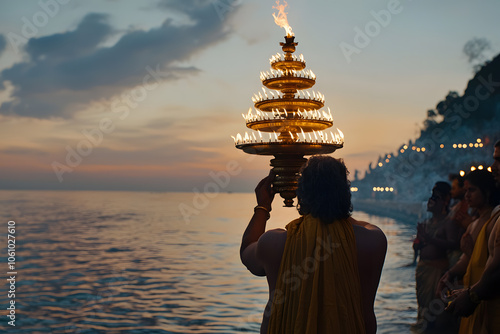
(318, 288)
(485, 318)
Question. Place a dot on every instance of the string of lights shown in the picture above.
(478, 144)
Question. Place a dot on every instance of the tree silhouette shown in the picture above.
(475, 50)
(447, 103)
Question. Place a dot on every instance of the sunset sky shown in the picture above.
(157, 88)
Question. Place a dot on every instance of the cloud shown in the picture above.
(91, 31)
(65, 71)
(3, 44)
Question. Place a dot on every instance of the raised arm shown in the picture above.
(257, 226)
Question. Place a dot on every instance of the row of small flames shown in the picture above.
(473, 168)
(319, 137)
(272, 74)
(281, 57)
(269, 95)
(278, 115)
(376, 189)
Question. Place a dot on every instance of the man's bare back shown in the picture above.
(371, 245)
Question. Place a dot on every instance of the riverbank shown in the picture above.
(405, 211)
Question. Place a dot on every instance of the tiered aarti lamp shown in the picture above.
(292, 116)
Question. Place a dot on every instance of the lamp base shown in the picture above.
(287, 168)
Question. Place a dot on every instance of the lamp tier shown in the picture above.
(289, 148)
(289, 103)
(288, 64)
(287, 83)
(290, 124)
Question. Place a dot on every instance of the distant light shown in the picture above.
(479, 140)
(389, 156)
(387, 160)
(405, 147)
(386, 188)
(489, 169)
(442, 145)
(459, 145)
(454, 145)
(480, 167)
(481, 145)
(462, 173)
(464, 145)
(354, 189)
(418, 149)
(413, 148)
(374, 189)
(470, 144)
(473, 168)
(391, 189)
(476, 145)
(423, 149)
(380, 164)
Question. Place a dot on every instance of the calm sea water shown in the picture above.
(128, 262)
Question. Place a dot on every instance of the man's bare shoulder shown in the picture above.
(372, 229)
(369, 234)
(271, 244)
(272, 236)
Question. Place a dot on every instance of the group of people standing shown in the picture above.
(458, 271)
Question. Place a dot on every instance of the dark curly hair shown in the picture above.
(485, 181)
(324, 190)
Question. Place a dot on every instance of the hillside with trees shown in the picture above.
(457, 135)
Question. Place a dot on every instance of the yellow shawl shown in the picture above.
(485, 318)
(318, 288)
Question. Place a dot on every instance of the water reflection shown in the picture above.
(124, 262)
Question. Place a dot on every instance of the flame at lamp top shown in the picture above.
(281, 19)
